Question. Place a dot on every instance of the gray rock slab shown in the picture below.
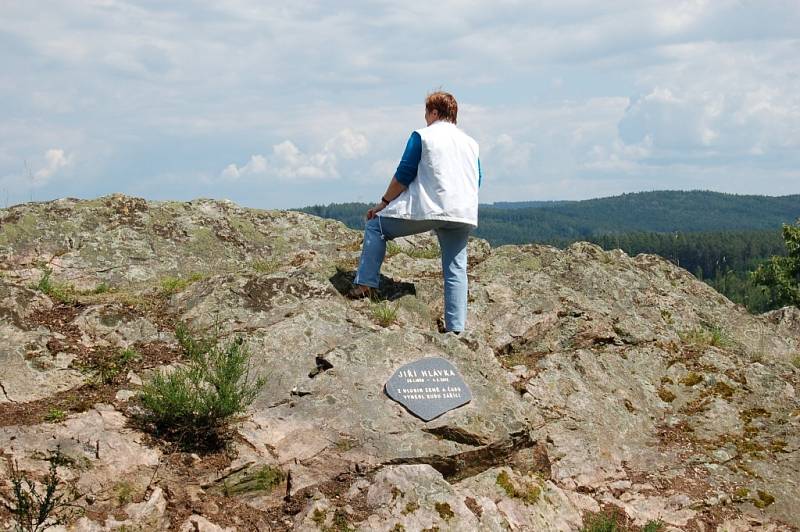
(28, 371)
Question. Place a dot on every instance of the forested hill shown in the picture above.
(659, 212)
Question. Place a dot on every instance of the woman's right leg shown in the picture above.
(376, 232)
(453, 238)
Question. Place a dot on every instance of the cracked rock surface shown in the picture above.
(601, 382)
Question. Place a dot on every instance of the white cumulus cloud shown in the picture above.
(55, 160)
(288, 162)
(291, 163)
(506, 155)
(255, 166)
(348, 144)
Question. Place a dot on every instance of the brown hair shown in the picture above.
(445, 103)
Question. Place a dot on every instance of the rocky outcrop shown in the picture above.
(600, 382)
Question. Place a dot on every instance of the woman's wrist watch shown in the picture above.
(384, 200)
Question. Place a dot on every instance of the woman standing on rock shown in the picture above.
(435, 188)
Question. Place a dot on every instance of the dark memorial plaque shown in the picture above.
(428, 388)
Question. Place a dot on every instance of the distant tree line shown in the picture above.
(720, 238)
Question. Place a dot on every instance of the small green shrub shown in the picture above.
(105, 373)
(35, 509)
(796, 361)
(55, 415)
(780, 276)
(345, 444)
(718, 338)
(172, 285)
(193, 346)
(45, 284)
(195, 404)
(62, 292)
(102, 288)
(384, 313)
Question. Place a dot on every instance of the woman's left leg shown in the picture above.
(376, 232)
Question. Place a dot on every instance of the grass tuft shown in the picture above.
(430, 252)
(109, 370)
(102, 288)
(706, 336)
(170, 286)
(384, 313)
(263, 479)
(61, 292)
(653, 526)
(266, 266)
(128, 355)
(55, 415)
(530, 494)
(614, 521)
(124, 492)
(602, 523)
(392, 249)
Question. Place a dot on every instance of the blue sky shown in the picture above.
(278, 106)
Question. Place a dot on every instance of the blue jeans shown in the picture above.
(453, 242)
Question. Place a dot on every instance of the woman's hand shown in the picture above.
(394, 190)
(373, 212)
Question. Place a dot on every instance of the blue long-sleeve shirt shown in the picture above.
(409, 162)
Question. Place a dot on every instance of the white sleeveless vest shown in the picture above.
(446, 187)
